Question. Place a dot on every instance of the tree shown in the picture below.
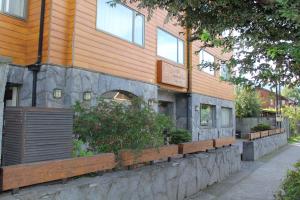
(266, 32)
(292, 93)
(247, 103)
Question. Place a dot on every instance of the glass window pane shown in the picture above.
(206, 59)
(226, 117)
(15, 7)
(139, 29)
(207, 116)
(224, 72)
(116, 19)
(166, 45)
(180, 52)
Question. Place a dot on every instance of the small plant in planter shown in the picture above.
(111, 126)
(178, 136)
(261, 127)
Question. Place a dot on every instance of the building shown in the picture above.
(87, 49)
(268, 99)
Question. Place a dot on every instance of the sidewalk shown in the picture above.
(257, 180)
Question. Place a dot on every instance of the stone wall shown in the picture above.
(244, 125)
(73, 82)
(3, 76)
(218, 131)
(175, 180)
(253, 150)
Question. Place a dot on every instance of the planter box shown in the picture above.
(221, 142)
(130, 157)
(278, 130)
(253, 136)
(17, 176)
(272, 132)
(264, 134)
(193, 147)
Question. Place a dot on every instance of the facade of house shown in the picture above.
(268, 99)
(91, 49)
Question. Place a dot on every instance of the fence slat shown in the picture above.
(220, 142)
(193, 147)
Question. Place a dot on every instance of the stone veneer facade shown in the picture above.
(3, 76)
(74, 82)
(175, 180)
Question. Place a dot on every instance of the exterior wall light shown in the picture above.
(57, 93)
(87, 96)
(197, 108)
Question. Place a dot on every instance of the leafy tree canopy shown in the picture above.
(266, 32)
(292, 93)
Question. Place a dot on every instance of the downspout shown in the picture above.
(35, 68)
(188, 94)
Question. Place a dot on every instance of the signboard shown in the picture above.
(279, 118)
(171, 74)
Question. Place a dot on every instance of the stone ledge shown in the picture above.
(174, 180)
(253, 150)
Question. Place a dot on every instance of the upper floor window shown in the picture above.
(15, 8)
(120, 21)
(205, 60)
(170, 47)
(224, 71)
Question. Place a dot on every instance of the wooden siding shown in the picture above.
(62, 29)
(98, 51)
(19, 38)
(206, 84)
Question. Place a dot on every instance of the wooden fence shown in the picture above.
(16, 176)
(262, 134)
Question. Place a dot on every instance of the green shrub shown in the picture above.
(112, 126)
(179, 136)
(290, 189)
(293, 113)
(261, 127)
(79, 151)
(247, 103)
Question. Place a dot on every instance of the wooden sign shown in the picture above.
(171, 74)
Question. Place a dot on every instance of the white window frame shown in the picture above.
(178, 39)
(134, 13)
(3, 9)
(201, 59)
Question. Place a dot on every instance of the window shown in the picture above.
(15, 8)
(205, 60)
(120, 21)
(11, 96)
(226, 117)
(170, 47)
(224, 71)
(207, 116)
(118, 96)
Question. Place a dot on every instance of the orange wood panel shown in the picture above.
(130, 157)
(17, 176)
(253, 136)
(171, 74)
(193, 147)
(220, 142)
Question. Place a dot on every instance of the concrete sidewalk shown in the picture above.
(257, 180)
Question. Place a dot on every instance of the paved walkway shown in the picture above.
(257, 180)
